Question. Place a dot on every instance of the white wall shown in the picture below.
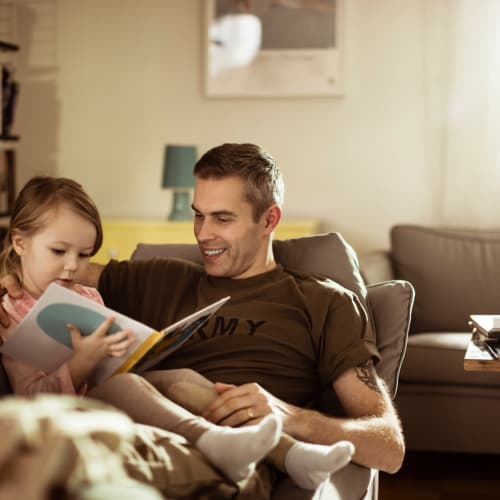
(128, 80)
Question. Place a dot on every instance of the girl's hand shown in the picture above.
(90, 349)
(98, 345)
(118, 343)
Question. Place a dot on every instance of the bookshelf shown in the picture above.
(8, 141)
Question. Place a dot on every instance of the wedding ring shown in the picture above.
(250, 413)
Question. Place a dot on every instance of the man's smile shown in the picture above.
(213, 252)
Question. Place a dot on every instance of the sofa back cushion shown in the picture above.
(455, 272)
(326, 255)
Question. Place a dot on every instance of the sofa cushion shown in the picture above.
(455, 273)
(324, 255)
(437, 358)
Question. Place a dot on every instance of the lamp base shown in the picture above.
(181, 206)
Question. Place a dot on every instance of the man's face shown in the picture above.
(231, 243)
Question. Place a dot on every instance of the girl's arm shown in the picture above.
(27, 380)
(69, 378)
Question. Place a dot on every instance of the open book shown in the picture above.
(42, 338)
(487, 324)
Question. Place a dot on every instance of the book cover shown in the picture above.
(487, 324)
(42, 338)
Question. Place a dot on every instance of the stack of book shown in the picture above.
(486, 332)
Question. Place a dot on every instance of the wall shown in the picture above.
(128, 80)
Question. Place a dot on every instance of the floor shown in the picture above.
(443, 476)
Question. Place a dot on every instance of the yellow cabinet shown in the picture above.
(122, 236)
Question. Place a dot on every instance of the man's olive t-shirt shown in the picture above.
(292, 334)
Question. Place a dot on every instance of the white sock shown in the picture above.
(235, 450)
(310, 464)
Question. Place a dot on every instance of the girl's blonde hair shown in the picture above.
(36, 199)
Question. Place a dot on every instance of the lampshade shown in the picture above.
(178, 166)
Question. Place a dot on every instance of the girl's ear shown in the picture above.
(19, 243)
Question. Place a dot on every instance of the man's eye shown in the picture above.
(57, 251)
(198, 216)
(223, 220)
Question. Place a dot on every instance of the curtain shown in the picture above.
(463, 88)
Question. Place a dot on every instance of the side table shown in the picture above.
(478, 359)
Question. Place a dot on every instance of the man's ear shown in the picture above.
(19, 243)
(272, 218)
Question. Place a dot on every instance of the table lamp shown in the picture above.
(178, 166)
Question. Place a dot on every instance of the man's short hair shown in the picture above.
(257, 168)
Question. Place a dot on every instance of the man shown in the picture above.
(282, 336)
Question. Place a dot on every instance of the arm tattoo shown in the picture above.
(366, 373)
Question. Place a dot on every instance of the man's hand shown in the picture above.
(11, 285)
(371, 422)
(245, 404)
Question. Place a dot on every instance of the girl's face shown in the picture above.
(58, 252)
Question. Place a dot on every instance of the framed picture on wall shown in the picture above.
(273, 48)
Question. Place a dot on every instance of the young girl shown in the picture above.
(54, 230)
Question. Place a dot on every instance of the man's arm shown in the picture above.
(372, 424)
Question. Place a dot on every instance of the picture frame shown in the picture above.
(273, 48)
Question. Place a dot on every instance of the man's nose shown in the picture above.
(204, 230)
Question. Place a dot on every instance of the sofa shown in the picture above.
(390, 305)
(455, 273)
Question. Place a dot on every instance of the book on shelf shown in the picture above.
(487, 325)
(42, 338)
(483, 350)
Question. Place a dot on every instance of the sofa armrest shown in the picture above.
(376, 266)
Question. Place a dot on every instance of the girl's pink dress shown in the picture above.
(28, 380)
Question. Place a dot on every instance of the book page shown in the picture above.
(176, 334)
(42, 339)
